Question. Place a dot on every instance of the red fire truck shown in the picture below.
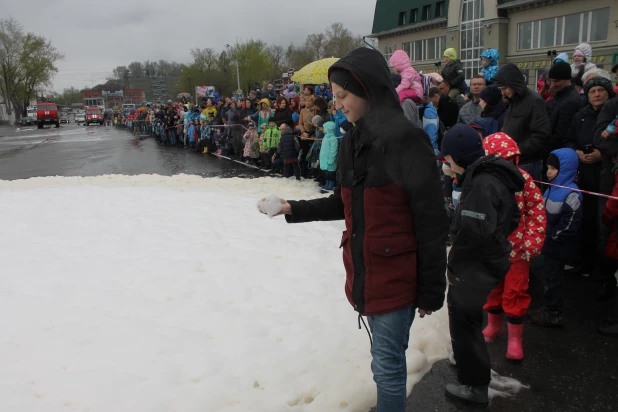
(47, 113)
(94, 114)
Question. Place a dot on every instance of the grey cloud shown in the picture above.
(96, 37)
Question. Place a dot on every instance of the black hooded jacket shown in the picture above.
(526, 118)
(487, 214)
(394, 248)
(561, 110)
(608, 146)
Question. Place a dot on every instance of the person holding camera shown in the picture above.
(580, 138)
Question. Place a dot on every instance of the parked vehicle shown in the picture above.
(80, 118)
(32, 112)
(94, 114)
(47, 113)
(27, 121)
(64, 118)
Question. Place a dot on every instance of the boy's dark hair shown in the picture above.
(433, 91)
(311, 89)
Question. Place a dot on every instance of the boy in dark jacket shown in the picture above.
(480, 255)
(288, 149)
(453, 72)
(394, 246)
(563, 207)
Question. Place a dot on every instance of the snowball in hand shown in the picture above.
(271, 205)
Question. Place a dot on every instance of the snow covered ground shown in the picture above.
(152, 293)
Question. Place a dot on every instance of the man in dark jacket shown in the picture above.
(448, 110)
(609, 150)
(480, 256)
(565, 102)
(394, 246)
(526, 119)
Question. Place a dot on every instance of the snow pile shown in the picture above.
(503, 386)
(152, 293)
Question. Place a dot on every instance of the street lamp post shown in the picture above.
(237, 70)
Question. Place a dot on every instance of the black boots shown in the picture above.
(472, 394)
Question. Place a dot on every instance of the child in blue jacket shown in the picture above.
(563, 207)
(329, 155)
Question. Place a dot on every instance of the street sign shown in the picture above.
(239, 91)
(291, 72)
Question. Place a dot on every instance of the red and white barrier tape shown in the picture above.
(577, 190)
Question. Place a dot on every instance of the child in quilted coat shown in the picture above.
(410, 86)
(511, 296)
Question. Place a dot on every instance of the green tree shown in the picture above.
(27, 63)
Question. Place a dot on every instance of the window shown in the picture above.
(548, 32)
(472, 36)
(388, 52)
(426, 49)
(426, 12)
(589, 26)
(419, 50)
(413, 15)
(440, 9)
(600, 23)
(406, 48)
(402, 18)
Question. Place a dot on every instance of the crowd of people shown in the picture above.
(524, 175)
(291, 132)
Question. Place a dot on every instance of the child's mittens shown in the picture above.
(270, 205)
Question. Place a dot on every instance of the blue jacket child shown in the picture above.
(323, 93)
(490, 56)
(563, 206)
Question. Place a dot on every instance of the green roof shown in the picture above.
(387, 13)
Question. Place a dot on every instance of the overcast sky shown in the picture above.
(95, 37)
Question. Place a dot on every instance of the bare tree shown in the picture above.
(206, 59)
(316, 43)
(340, 41)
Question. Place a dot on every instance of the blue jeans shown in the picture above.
(391, 332)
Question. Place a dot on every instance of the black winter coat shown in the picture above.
(526, 118)
(497, 112)
(288, 146)
(454, 73)
(283, 116)
(561, 110)
(581, 134)
(448, 111)
(609, 146)
(394, 246)
(487, 214)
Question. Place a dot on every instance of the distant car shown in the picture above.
(27, 121)
(80, 118)
(64, 118)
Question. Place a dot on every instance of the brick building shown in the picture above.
(112, 95)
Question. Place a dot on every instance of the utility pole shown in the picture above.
(237, 70)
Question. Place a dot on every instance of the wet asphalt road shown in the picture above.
(570, 369)
(73, 150)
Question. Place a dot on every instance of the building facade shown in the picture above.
(529, 33)
(112, 96)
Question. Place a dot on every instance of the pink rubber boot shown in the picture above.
(494, 327)
(515, 350)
